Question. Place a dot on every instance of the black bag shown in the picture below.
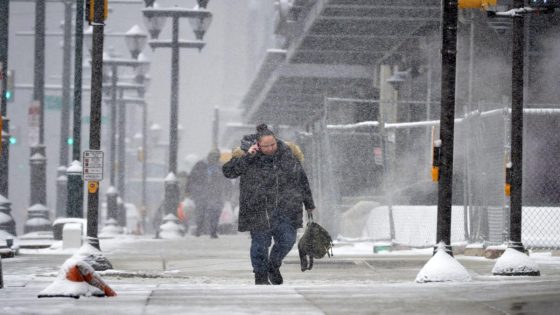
(315, 243)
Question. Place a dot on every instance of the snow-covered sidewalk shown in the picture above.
(204, 276)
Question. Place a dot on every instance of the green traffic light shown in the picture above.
(8, 95)
(70, 141)
(13, 140)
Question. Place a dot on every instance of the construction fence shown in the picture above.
(354, 156)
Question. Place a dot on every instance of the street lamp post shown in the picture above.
(114, 64)
(38, 158)
(75, 207)
(62, 181)
(200, 19)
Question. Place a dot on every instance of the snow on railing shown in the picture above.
(428, 123)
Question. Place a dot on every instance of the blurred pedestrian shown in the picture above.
(273, 190)
(209, 190)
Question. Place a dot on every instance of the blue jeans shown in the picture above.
(284, 234)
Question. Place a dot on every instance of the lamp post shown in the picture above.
(62, 181)
(141, 79)
(38, 158)
(114, 64)
(75, 207)
(200, 19)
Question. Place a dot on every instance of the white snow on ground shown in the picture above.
(442, 268)
(414, 225)
(514, 262)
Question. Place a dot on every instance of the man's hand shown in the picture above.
(253, 149)
(310, 210)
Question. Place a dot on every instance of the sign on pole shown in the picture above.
(33, 115)
(93, 165)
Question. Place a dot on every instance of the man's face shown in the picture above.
(267, 145)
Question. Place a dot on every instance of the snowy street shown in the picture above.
(206, 276)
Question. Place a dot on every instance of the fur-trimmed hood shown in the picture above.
(296, 151)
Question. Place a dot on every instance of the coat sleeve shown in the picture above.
(306, 190)
(237, 166)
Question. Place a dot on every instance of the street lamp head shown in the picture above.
(135, 40)
(154, 24)
(203, 3)
(200, 24)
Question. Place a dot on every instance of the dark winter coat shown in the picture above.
(270, 185)
(207, 187)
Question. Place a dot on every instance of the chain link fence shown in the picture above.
(356, 158)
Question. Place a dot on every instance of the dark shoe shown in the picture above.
(261, 279)
(274, 276)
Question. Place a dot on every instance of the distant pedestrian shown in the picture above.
(273, 190)
(209, 190)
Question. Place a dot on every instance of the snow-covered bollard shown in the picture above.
(171, 229)
(442, 268)
(77, 278)
(72, 235)
(111, 229)
(515, 263)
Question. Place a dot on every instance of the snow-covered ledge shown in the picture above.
(515, 263)
(442, 268)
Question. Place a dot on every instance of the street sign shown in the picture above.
(33, 116)
(52, 102)
(93, 165)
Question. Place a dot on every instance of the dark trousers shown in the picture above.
(207, 220)
(284, 234)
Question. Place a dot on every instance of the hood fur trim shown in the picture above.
(296, 151)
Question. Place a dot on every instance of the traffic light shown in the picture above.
(10, 79)
(476, 4)
(70, 141)
(551, 4)
(90, 9)
(13, 139)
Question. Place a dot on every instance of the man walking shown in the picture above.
(273, 191)
(209, 190)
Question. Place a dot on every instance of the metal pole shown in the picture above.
(518, 42)
(4, 158)
(174, 98)
(215, 128)
(62, 179)
(448, 72)
(171, 186)
(121, 218)
(112, 154)
(95, 114)
(38, 169)
(78, 60)
(66, 73)
(75, 207)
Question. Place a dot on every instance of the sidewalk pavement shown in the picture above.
(213, 276)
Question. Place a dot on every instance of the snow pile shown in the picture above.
(62, 287)
(442, 268)
(514, 262)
